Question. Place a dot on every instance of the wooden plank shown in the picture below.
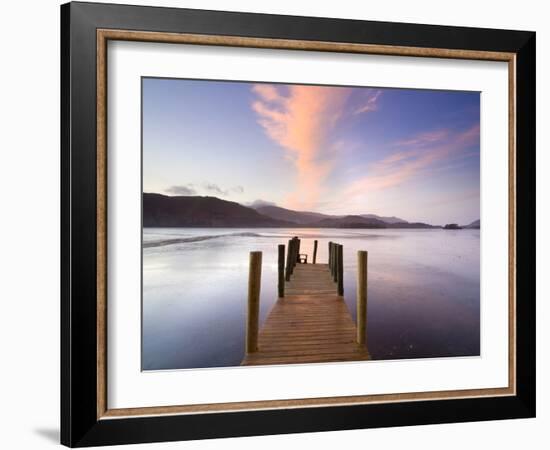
(311, 280)
(310, 324)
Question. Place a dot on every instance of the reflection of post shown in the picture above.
(362, 260)
(281, 280)
(314, 251)
(254, 283)
(340, 264)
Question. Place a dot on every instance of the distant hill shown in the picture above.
(349, 222)
(183, 211)
(195, 211)
(411, 225)
(299, 217)
(476, 224)
(317, 219)
(391, 219)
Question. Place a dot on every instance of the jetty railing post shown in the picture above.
(281, 280)
(335, 258)
(314, 251)
(340, 269)
(293, 255)
(288, 260)
(334, 245)
(254, 284)
(331, 260)
(292, 251)
(330, 257)
(362, 279)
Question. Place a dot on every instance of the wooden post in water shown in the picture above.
(281, 280)
(331, 259)
(314, 251)
(330, 256)
(254, 283)
(335, 258)
(295, 250)
(362, 260)
(288, 260)
(340, 274)
(293, 256)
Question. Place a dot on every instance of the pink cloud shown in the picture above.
(300, 122)
(416, 154)
(266, 92)
(470, 136)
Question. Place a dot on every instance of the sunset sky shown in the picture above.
(337, 150)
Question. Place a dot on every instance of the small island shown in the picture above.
(452, 226)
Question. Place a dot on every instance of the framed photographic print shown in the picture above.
(276, 224)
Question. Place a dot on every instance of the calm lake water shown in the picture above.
(423, 290)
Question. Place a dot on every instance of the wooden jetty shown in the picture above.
(310, 322)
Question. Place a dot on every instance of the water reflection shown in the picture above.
(423, 291)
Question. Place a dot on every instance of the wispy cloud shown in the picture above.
(299, 119)
(206, 188)
(414, 155)
(213, 188)
(370, 103)
(259, 202)
(424, 139)
(187, 189)
(266, 92)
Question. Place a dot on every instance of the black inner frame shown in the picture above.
(79, 423)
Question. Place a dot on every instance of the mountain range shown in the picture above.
(186, 211)
(196, 211)
(308, 218)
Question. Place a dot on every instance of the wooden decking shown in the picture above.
(311, 324)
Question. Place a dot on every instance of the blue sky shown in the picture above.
(337, 150)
